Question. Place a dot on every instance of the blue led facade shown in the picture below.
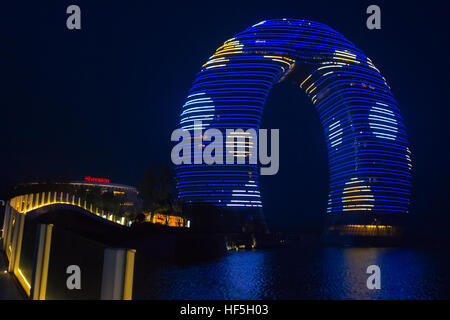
(369, 157)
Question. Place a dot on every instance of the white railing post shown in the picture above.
(117, 278)
(16, 242)
(42, 256)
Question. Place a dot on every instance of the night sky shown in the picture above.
(102, 101)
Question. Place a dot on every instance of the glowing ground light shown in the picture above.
(369, 159)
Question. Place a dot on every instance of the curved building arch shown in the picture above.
(368, 151)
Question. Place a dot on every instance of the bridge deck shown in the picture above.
(8, 287)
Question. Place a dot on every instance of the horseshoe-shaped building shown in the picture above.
(368, 153)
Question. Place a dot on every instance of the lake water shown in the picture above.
(301, 272)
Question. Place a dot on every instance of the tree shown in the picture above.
(157, 189)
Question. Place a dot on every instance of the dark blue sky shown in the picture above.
(103, 101)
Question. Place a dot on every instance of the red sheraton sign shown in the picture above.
(90, 179)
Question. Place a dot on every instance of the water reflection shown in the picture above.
(246, 275)
(305, 273)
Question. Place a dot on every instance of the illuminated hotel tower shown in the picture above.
(368, 154)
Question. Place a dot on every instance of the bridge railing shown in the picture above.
(29, 202)
(40, 255)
